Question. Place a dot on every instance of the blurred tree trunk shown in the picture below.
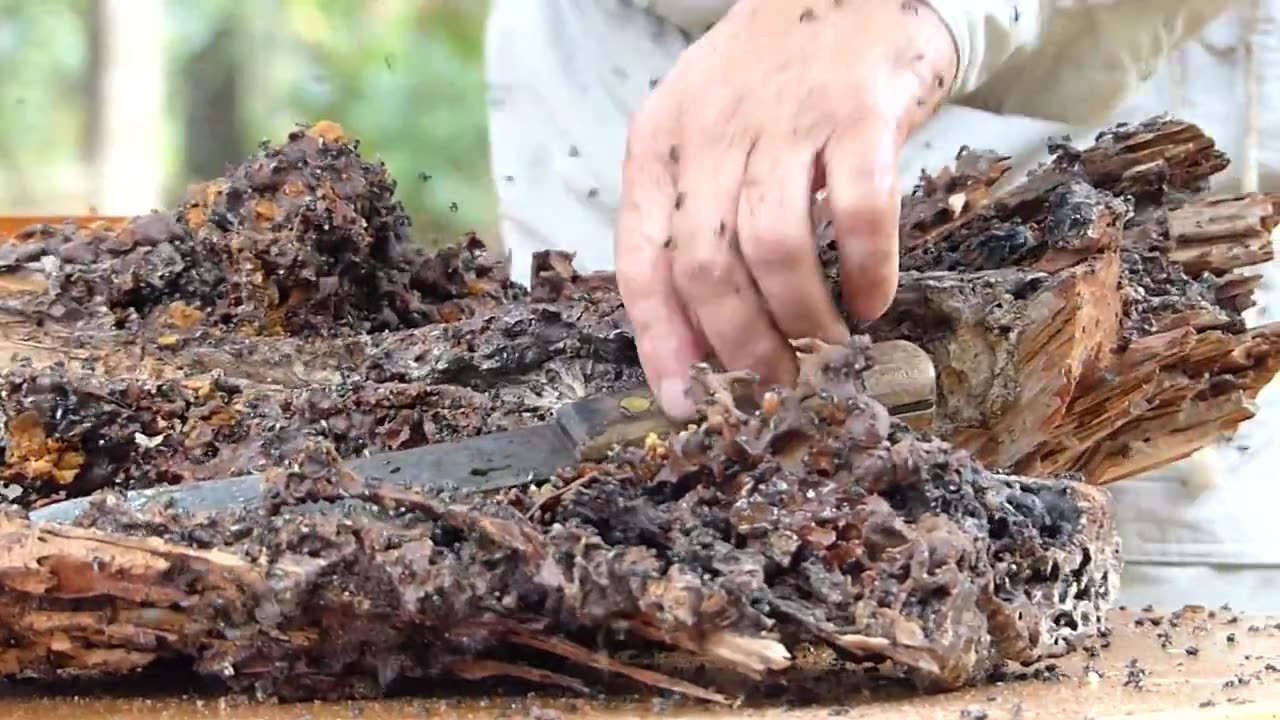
(95, 52)
(130, 105)
(1249, 68)
(213, 121)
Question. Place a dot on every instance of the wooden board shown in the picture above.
(18, 338)
(1178, 685)
(10, 224)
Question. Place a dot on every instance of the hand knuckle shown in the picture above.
(773, 248)
(629, 279)
(866, 214)
(760, 349)
(767, 356)
(644, 137)
(850, 209)
(703, 272)
(878, 181)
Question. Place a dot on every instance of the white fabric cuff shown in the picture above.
(1074, 61)
(988, 32)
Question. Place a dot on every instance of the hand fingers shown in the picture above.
(709, 270)
(666, 340)
(861, 169)
(776, 230)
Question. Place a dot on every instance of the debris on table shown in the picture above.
(1086, 321)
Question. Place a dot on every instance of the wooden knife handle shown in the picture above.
(902, 377)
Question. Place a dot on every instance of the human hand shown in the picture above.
(715, 246)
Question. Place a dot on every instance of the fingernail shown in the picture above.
(675, 400)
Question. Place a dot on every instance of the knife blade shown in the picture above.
(902, 377)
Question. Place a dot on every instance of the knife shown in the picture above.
(902, 377)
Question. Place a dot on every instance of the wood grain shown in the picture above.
(10, 224)
(1201, 687)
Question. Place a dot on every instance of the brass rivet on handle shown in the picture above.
(636, 404)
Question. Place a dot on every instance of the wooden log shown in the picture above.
(1221, 234)
(1054, 296)
(13, 226)
(1191, 381)
(738, 543)
(1015, 345)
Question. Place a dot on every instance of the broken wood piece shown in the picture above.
(1222, 234)
(1179, 272)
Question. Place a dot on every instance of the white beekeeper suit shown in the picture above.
(565, 76)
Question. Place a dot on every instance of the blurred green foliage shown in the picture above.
(43, 53)
(403, 76)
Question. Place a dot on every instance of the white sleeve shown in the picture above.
(989, 32)
(1073, 61)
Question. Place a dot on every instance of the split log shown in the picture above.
(1089, 319)
(1011, 347)
(789, 519)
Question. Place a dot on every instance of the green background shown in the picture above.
(403, 76)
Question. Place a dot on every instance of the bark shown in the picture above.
(132, 80)
(1089, 319)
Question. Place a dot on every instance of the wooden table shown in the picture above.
(1224, 679)
(12, 224)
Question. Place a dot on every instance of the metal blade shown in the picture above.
(487, 462)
